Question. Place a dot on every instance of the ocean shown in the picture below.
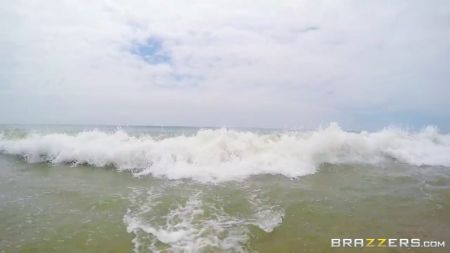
(179, 189)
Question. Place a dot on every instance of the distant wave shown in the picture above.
(221, 154)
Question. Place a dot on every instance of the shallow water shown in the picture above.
(60, 207)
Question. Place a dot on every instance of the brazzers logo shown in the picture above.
(384, 243)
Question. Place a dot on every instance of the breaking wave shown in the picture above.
(220, 154)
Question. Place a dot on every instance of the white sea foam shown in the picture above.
(221, 155)
(194, 224)
(183, 228)
(266, 215)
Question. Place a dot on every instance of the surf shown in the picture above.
(217, 155)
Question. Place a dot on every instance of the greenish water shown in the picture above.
(147, 189)
(59, 208)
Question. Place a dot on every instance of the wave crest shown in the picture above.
(222, 154)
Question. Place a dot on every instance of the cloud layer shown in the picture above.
(226, 63)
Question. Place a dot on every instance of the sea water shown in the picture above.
(175, 189)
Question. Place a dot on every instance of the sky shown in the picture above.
(283, 64)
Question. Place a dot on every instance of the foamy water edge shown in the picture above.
(223, 155)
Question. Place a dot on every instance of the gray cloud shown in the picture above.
(232, 63)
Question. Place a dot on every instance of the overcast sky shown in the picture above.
(363, 64)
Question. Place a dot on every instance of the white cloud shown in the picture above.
(234, 63)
